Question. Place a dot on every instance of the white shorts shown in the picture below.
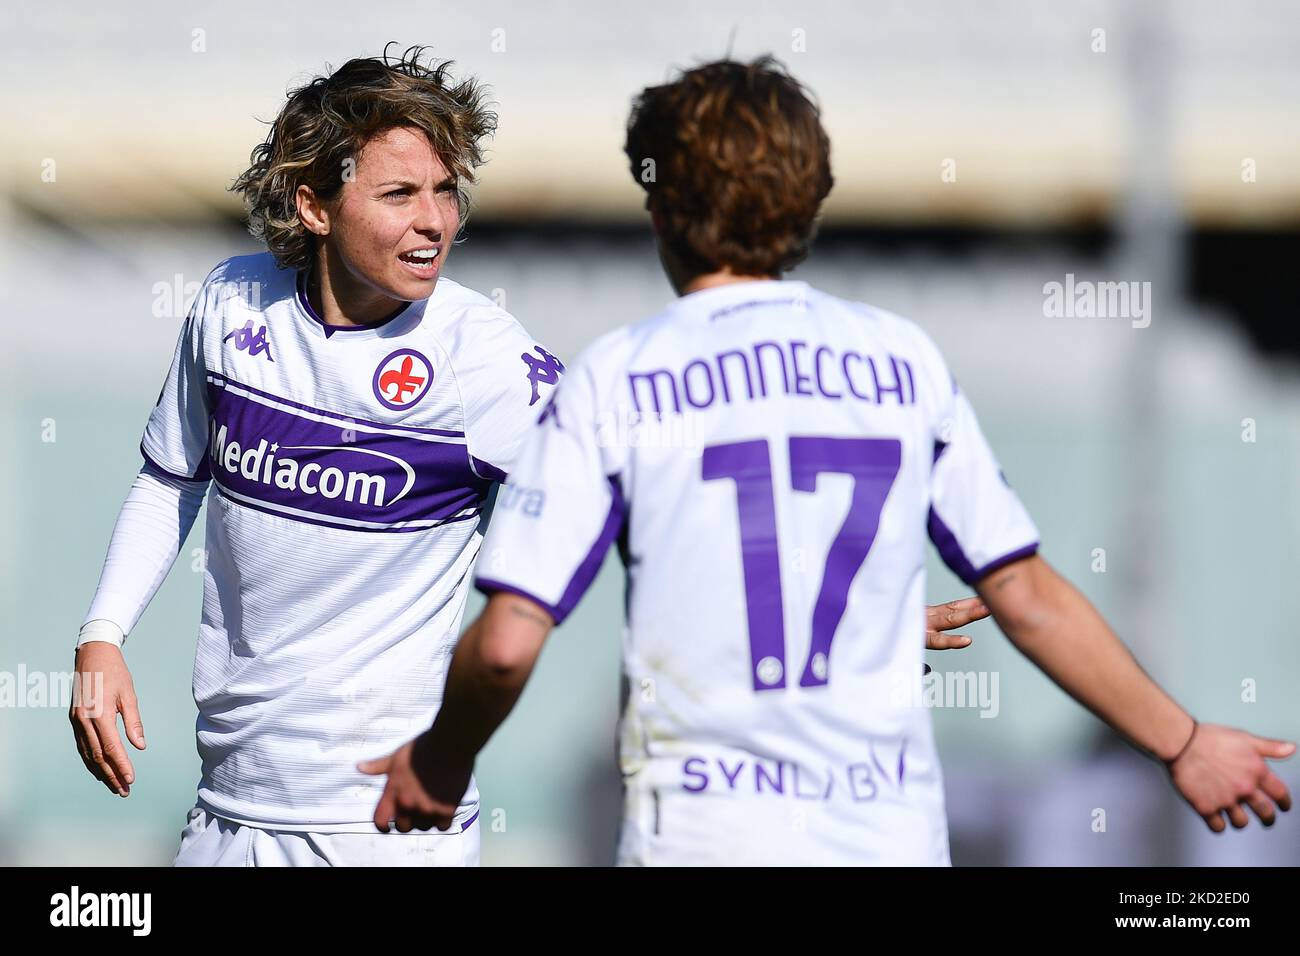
(209, 840)
(670, 827)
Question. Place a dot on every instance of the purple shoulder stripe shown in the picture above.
(949, 549)
(955, 558)
(586, 572)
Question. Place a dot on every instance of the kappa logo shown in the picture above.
(247, 341)
(541, 371)
(402, 379)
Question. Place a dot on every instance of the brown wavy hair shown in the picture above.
(741, 166)
(327, 122)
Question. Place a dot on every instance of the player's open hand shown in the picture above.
(423, 789)
(1223, 770)
(103, 689)
(940, 618)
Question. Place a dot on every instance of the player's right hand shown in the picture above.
(941, 618)
(103, 688)
(1223, 770)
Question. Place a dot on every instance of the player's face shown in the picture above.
(393, 224)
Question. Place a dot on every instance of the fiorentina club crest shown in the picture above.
(402, 379)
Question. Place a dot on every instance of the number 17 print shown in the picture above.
(873, 463)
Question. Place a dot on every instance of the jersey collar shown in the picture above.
(353, 331)
(726, 299)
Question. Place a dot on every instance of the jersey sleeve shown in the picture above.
(175, 439)
(976, 521)
(506, 380)
(151, 528)
(561, 508)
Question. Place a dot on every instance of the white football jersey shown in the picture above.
(769, 459)
(348, 470)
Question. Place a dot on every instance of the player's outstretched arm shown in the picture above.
(1216, 769)
(428, 776)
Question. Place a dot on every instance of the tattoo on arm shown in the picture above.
(531, 615)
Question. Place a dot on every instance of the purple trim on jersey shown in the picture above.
(1006, 559)
(586, 572)
(486, 469)
(949, 549)
(728, 310)
(939, 447)
(300, 285)
(466, 825)
(956, 559)
(587, 568)
(335, 525)
(327, 472)
(489, 587)
(345, 420)
(202, 474)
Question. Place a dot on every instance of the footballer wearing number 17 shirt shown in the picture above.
(347, 412)
(773, 710)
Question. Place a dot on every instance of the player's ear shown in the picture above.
(312, 212)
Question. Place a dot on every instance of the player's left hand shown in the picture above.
(947, 617)
(423, 790)
(1223, 770)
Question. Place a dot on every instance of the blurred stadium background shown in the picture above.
(1163, 149)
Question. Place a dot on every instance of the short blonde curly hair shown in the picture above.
(327, 122)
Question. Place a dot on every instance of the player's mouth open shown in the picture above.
(421, 260)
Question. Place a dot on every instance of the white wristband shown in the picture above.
(101, 630)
